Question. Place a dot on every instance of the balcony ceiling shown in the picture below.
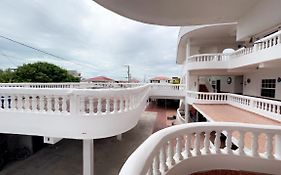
(180, 12)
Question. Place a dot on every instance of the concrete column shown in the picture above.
(186, 113)
(278, 146)
(197, 116)
(88, 157)
(119, 137)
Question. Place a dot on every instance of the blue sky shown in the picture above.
(89, 38)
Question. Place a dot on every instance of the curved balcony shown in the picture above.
(267, 108)
(76, 113)
(264, 50)
(190, 148)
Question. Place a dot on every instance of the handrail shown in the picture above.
(166, 149)
(268, 108)
(84, 112)
(264, 43)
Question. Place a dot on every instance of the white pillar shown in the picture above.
(88, 157)
(186, 112)
(278, 146)
(119, 137)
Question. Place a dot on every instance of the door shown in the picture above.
(218, 86)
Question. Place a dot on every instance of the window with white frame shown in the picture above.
(268, 87)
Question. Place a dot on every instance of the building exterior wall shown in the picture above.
(254, 87)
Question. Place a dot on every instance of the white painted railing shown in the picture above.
(185, 149)
(268, 42)
(265, 43)
(71, 113)
(208, 58)
(83, 113)
(267, 108)
(81, 85)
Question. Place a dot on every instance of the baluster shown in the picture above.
(254, 144)
(107, 105)
(163, 158)
(126, 103)
(49, 104)
(83, 104)
(121, 104)
(218, 141)
(149, 171)
(197, 144)
(91, 105)
(41, 104)
(99, 106)
(207, 142)
(187, 145)
(4, 102)
(56, 104)
(156, 170)
(278, 146)
(19, 103)
(34, 103)
(64, 105)
(179, 148)
(171, 159)
(115, 105)
(241, 143)
(13, 102)
(269, 147)
(131, 102)
(228, 142)
(26, 103)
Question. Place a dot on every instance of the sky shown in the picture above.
(87, 38)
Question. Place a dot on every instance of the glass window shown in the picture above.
(268, 88)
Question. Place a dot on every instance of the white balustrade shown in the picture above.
(262, 44)
(149, 151)
(267, 108)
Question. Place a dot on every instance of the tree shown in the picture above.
(41, 72)
(6, 76)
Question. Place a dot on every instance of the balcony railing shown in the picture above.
(263, 44)
(84, 113)
(186, 149)
(268, 108)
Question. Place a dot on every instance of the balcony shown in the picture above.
(186, 149)
(31, 109)
(264, 50)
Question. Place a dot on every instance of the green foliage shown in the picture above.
(6, 76)
(41, 72)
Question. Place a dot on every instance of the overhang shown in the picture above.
(204, 35)
(180, 12)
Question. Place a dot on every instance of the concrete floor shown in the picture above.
(65, 158)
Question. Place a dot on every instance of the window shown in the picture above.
(268, 88)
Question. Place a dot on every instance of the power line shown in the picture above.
(31, 47)
(42, 51)
(9, 58)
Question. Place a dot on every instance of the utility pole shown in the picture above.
(128, 73)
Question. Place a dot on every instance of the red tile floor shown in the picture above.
(163, 111)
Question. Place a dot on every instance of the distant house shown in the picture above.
(100, 79)
(133, 80)
(160, 79)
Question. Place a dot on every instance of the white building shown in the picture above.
(227, 141)
(160, 79)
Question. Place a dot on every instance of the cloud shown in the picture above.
(91, 39)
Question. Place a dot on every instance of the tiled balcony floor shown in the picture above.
(228, 113)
